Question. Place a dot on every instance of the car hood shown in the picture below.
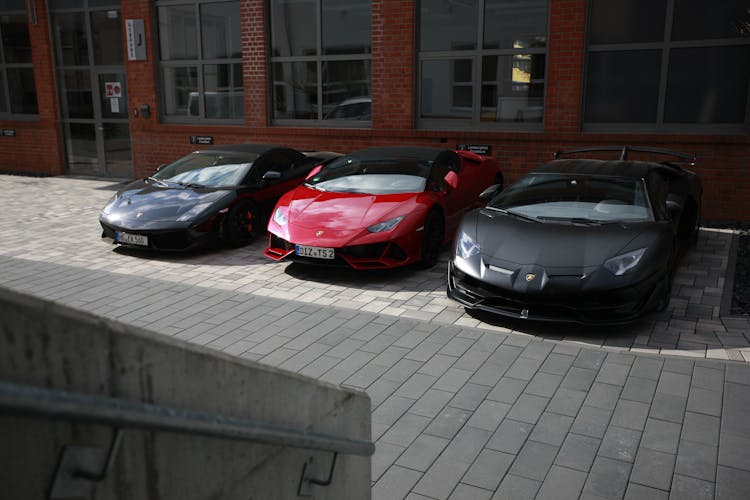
(340, 216)
(144, 202)
(511, 242)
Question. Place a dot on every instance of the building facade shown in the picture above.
(116, 88)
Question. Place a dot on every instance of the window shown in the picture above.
(320, 61)
(17, 87)
(668, 65)
(482, 63)
(201, 60)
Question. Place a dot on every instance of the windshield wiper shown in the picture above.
(574, 220)
(191, 184)
(514, 214)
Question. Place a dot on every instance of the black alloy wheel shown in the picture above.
(242, 224)
(432, 239)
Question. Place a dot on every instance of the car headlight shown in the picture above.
(195, 211)
(279, 217)
(623, 263)
(466, 247)
(385, 226)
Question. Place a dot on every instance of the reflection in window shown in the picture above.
(17, 85)
(201, 60)
(321, 70)
(503, 82)
(664, 64)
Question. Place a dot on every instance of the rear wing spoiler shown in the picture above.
(624, 150)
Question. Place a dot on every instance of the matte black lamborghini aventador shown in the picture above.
(579, 240)
(220, 194)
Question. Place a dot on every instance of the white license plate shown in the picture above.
(314, 252)
(131, 239)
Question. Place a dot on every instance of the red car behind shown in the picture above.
(379, 207)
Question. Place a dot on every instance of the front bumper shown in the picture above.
(591, 307)
(382, 255)
(175, 240)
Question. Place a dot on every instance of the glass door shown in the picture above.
(93, 90)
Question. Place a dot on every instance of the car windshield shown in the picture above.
(350, 174)
(576, 197)
(218, 169)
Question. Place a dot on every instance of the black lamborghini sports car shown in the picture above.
(579, 240)
(221, 194)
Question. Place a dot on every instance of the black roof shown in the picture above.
(258, 149)
(618, 168)
(403, 152)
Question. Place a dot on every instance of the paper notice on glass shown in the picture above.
(114, 104)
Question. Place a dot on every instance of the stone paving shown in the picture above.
(463, 407)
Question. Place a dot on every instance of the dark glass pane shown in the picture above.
(346, 26)
(346, 89)
(178, 32)
(717, 93)
(512, 24)
(66, 4)
(105, 3)
(220, 30)
(117, 149)
(70, 33)
(445, 90)
(106, 30)
(180, 91)
(293, 28)
(627, 21)
(3, 100)
(80, 146)
(223, 97)
(77, 94)
(701, 19)
(513, 88)
(22, 91)
(295, 90)
(16, 43)
(8, 5)
(448, 25)
(113, 107)
(622, 87)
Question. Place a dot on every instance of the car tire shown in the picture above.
(666, 295)
(432, 239)
(242, 224)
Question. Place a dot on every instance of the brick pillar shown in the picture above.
(254, 62)
(393, 63)
(142, 75)
(565, 65)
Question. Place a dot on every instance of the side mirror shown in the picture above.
(490, 192)
(314, 171)
(271, 175)
(451, 178)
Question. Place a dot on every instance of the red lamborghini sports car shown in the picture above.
(379, 207)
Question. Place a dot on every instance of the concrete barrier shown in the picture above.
(44, 344)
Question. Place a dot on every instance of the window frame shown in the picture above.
(200, 63)
(665, 46)
(476, 55)
(4, 67)
(319, 59)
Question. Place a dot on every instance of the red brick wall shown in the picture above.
(723, 160)
(37, 147)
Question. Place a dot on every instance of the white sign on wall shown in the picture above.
(136, 40)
